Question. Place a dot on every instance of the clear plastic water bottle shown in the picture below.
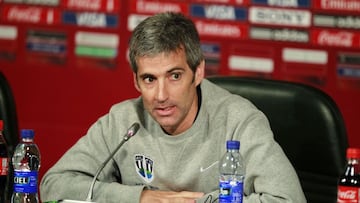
(232, 174)
(4, 166)
(26, 163)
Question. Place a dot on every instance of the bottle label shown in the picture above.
(4, 166)
(25, 181)
(347, 194)
(231, 192)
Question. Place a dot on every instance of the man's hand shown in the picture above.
(157, 196)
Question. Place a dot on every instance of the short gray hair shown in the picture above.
(165, 33)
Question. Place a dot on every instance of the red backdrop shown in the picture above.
(66, 61)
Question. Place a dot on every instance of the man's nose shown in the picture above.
(162, 91)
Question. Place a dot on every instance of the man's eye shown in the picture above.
(175, 76)
(148, 79)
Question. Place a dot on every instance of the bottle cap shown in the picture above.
(353, 153)
(233, 144)
(27, 133)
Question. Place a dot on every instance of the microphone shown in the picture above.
(130, 132)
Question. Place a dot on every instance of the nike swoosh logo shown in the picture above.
(207, 168)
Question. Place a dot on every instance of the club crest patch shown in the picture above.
(144, 167)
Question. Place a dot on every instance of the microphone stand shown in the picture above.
(131, 132)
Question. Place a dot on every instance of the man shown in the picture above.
(185, 122)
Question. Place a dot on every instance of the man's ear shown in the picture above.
(200, 72)
(136, 84)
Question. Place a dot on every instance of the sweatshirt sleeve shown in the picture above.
(270, 177)
(71, 176)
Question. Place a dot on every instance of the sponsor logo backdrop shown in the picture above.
(66, 60)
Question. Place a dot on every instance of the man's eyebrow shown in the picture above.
(145, 75)
(175, 69)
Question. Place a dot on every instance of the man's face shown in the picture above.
(168, 88)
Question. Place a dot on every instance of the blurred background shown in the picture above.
(66, 61)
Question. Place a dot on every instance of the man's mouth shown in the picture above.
(165, 111)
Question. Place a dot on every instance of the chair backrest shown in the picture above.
(307, 124)
(9, 116)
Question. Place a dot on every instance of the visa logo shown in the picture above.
(218, 12)
(90, 19)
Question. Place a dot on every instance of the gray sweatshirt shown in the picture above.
(188, 161)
